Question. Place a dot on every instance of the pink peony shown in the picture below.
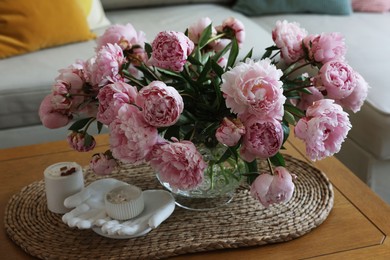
(170, 50)
(323, 129)
(338, 79)
(123, 35)
(50, 117)
(60, 95)
(263, 138)
(307, 100)
(81, 142)
(161, 104)
(66, 98)
(254, 87)
(325, 47)
(179, 164)
(219, 45)
(103, 164)
(111, 97)
(88, 70)
(74, 75)
(355, 101)
(233, 27)
(196, 29)
(270, 189)
(107, 65)
(131, 137)
(230, 131)
(288, 38)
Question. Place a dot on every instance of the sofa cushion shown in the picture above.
(260, 7)
(369, 55)
(117, 4)
(23, 88)
(26, 27)
(155, 19)
(371, 6)
(94, 12)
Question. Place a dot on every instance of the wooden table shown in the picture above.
(357, 228)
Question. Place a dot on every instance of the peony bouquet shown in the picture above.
(161, 100)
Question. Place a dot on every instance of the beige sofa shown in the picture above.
(26, 79)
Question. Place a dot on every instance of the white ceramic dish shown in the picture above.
(89, 211)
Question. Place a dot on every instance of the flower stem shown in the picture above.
(270, 166)
(273, 56)
(291, 69)
(88, 124)
(251, 168)
(297, 88)
(132, 78)
(80, 95)
(219, 36)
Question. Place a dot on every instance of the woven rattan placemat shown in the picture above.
(241, 223)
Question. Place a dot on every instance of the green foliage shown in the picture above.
(80, 124)
(278, 160)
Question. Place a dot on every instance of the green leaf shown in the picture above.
(294, 110)
(188, 135)
(79, 124)
(286, 131)
(278, 160)
(99, 126)
(268, 51)
(172, 131)
(272, 48)
(170, 73)
(197, 53)
(216, 68)
(218, 93)
(147, 74)
(205, 36)
(232, 55)
(252, 171)
(205, 71)
(266, 54)
(218, 55)
(289, 117)
(248, 55)
(194, 61)
(305, 90)
(148, 49)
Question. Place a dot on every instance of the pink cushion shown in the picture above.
(371, 5)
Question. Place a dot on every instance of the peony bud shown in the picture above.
(270, 189)
(81, 142)
(103, 163)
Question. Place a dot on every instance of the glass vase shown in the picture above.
(221, 179)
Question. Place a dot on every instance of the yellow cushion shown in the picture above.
(94, 12)
(30, 25)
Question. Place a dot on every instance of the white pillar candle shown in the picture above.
(61, 181)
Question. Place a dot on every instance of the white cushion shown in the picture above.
(26, 79)
(96, 17)
(154, 20)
